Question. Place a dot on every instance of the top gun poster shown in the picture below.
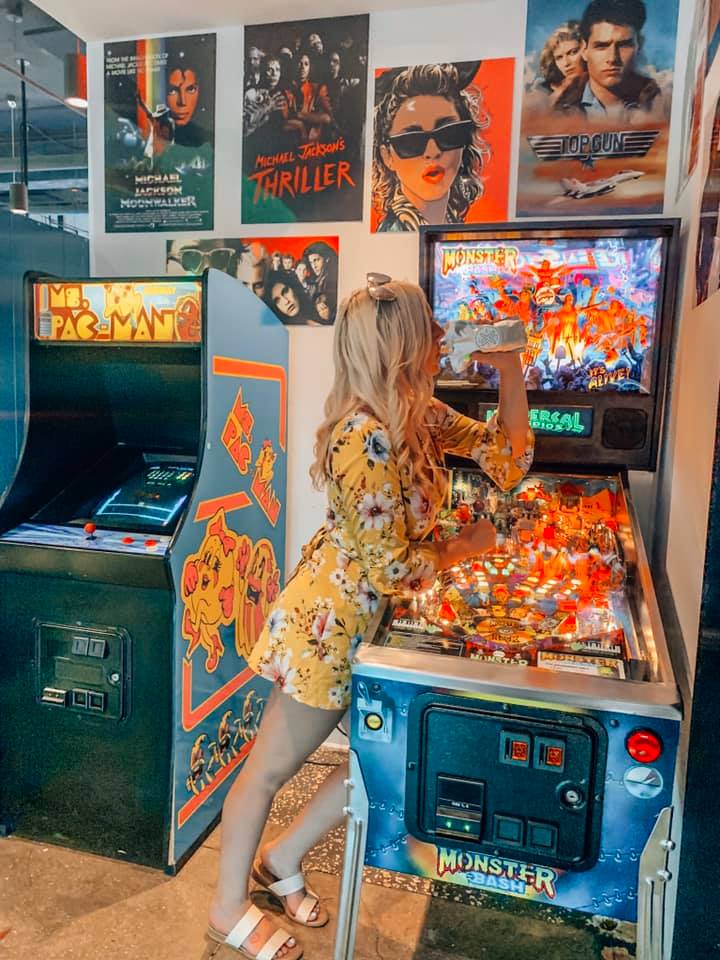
(596, 107)
(304, 99)
(159, 134)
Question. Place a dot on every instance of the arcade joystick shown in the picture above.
(90, 529)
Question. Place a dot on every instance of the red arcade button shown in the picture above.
(128, 539)
(151, 543)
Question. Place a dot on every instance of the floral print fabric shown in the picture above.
(371, 545)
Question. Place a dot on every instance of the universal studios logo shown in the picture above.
(587, 147)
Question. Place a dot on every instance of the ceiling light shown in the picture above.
(76, 80)
(19, 198)
(15, 11)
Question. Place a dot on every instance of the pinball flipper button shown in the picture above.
(508, 830)
(542, 836)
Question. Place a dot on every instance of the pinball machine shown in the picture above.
(514, 728)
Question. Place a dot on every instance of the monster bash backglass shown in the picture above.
(590, 306)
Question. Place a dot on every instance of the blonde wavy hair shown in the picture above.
(381, 353)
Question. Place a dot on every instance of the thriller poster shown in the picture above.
(304, 120)
(708, 246)
(441, 150)
(297, 277)
(596, 107)
(159, 134)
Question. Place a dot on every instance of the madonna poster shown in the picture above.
(596, 107)
(441, 144)
(159, 134)
(304, 120)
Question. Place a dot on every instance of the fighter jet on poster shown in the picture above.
(584, 189)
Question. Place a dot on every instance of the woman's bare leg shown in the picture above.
(289, 733)
(283, 856)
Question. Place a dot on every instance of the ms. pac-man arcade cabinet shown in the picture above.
(141, 543)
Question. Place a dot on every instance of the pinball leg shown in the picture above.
(354, 860)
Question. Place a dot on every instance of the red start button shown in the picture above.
(151, 543)
(128, 539)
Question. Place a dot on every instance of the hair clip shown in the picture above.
(376, 286)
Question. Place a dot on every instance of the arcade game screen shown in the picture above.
(150, 500)
(551, 595)
(590, 307)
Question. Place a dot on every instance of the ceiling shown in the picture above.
(110, 20)
(56, 134)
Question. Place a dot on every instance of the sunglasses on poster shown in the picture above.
(451, 136)
(195, 261)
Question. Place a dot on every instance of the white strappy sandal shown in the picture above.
(252, 918)
(281, 890)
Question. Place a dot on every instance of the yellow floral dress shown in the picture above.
(371, 545)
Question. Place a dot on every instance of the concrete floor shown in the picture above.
(58, 904)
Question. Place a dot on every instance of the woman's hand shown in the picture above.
(478, 537)
(472, 540)
(503, 361)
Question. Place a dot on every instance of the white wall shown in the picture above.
(494, 28)
(687, 472)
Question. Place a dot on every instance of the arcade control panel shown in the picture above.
(135, 513)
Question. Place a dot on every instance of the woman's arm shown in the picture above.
(369, 499)
(488, 444)
(513, 407)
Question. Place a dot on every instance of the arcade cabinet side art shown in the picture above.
(228, 568)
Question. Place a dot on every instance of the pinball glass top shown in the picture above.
(552, 595)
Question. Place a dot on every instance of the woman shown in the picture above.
(379, 455)
(561, 63)
(324, 264)
(428, 151)
(285, 296)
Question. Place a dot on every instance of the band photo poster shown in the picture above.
(707, 270)
(159, 134)
(297, 277)
(441, 144)
(304, 120)
(598, 86)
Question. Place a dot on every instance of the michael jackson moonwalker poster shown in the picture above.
(159, 134)
(596, 107)
(304, 120)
